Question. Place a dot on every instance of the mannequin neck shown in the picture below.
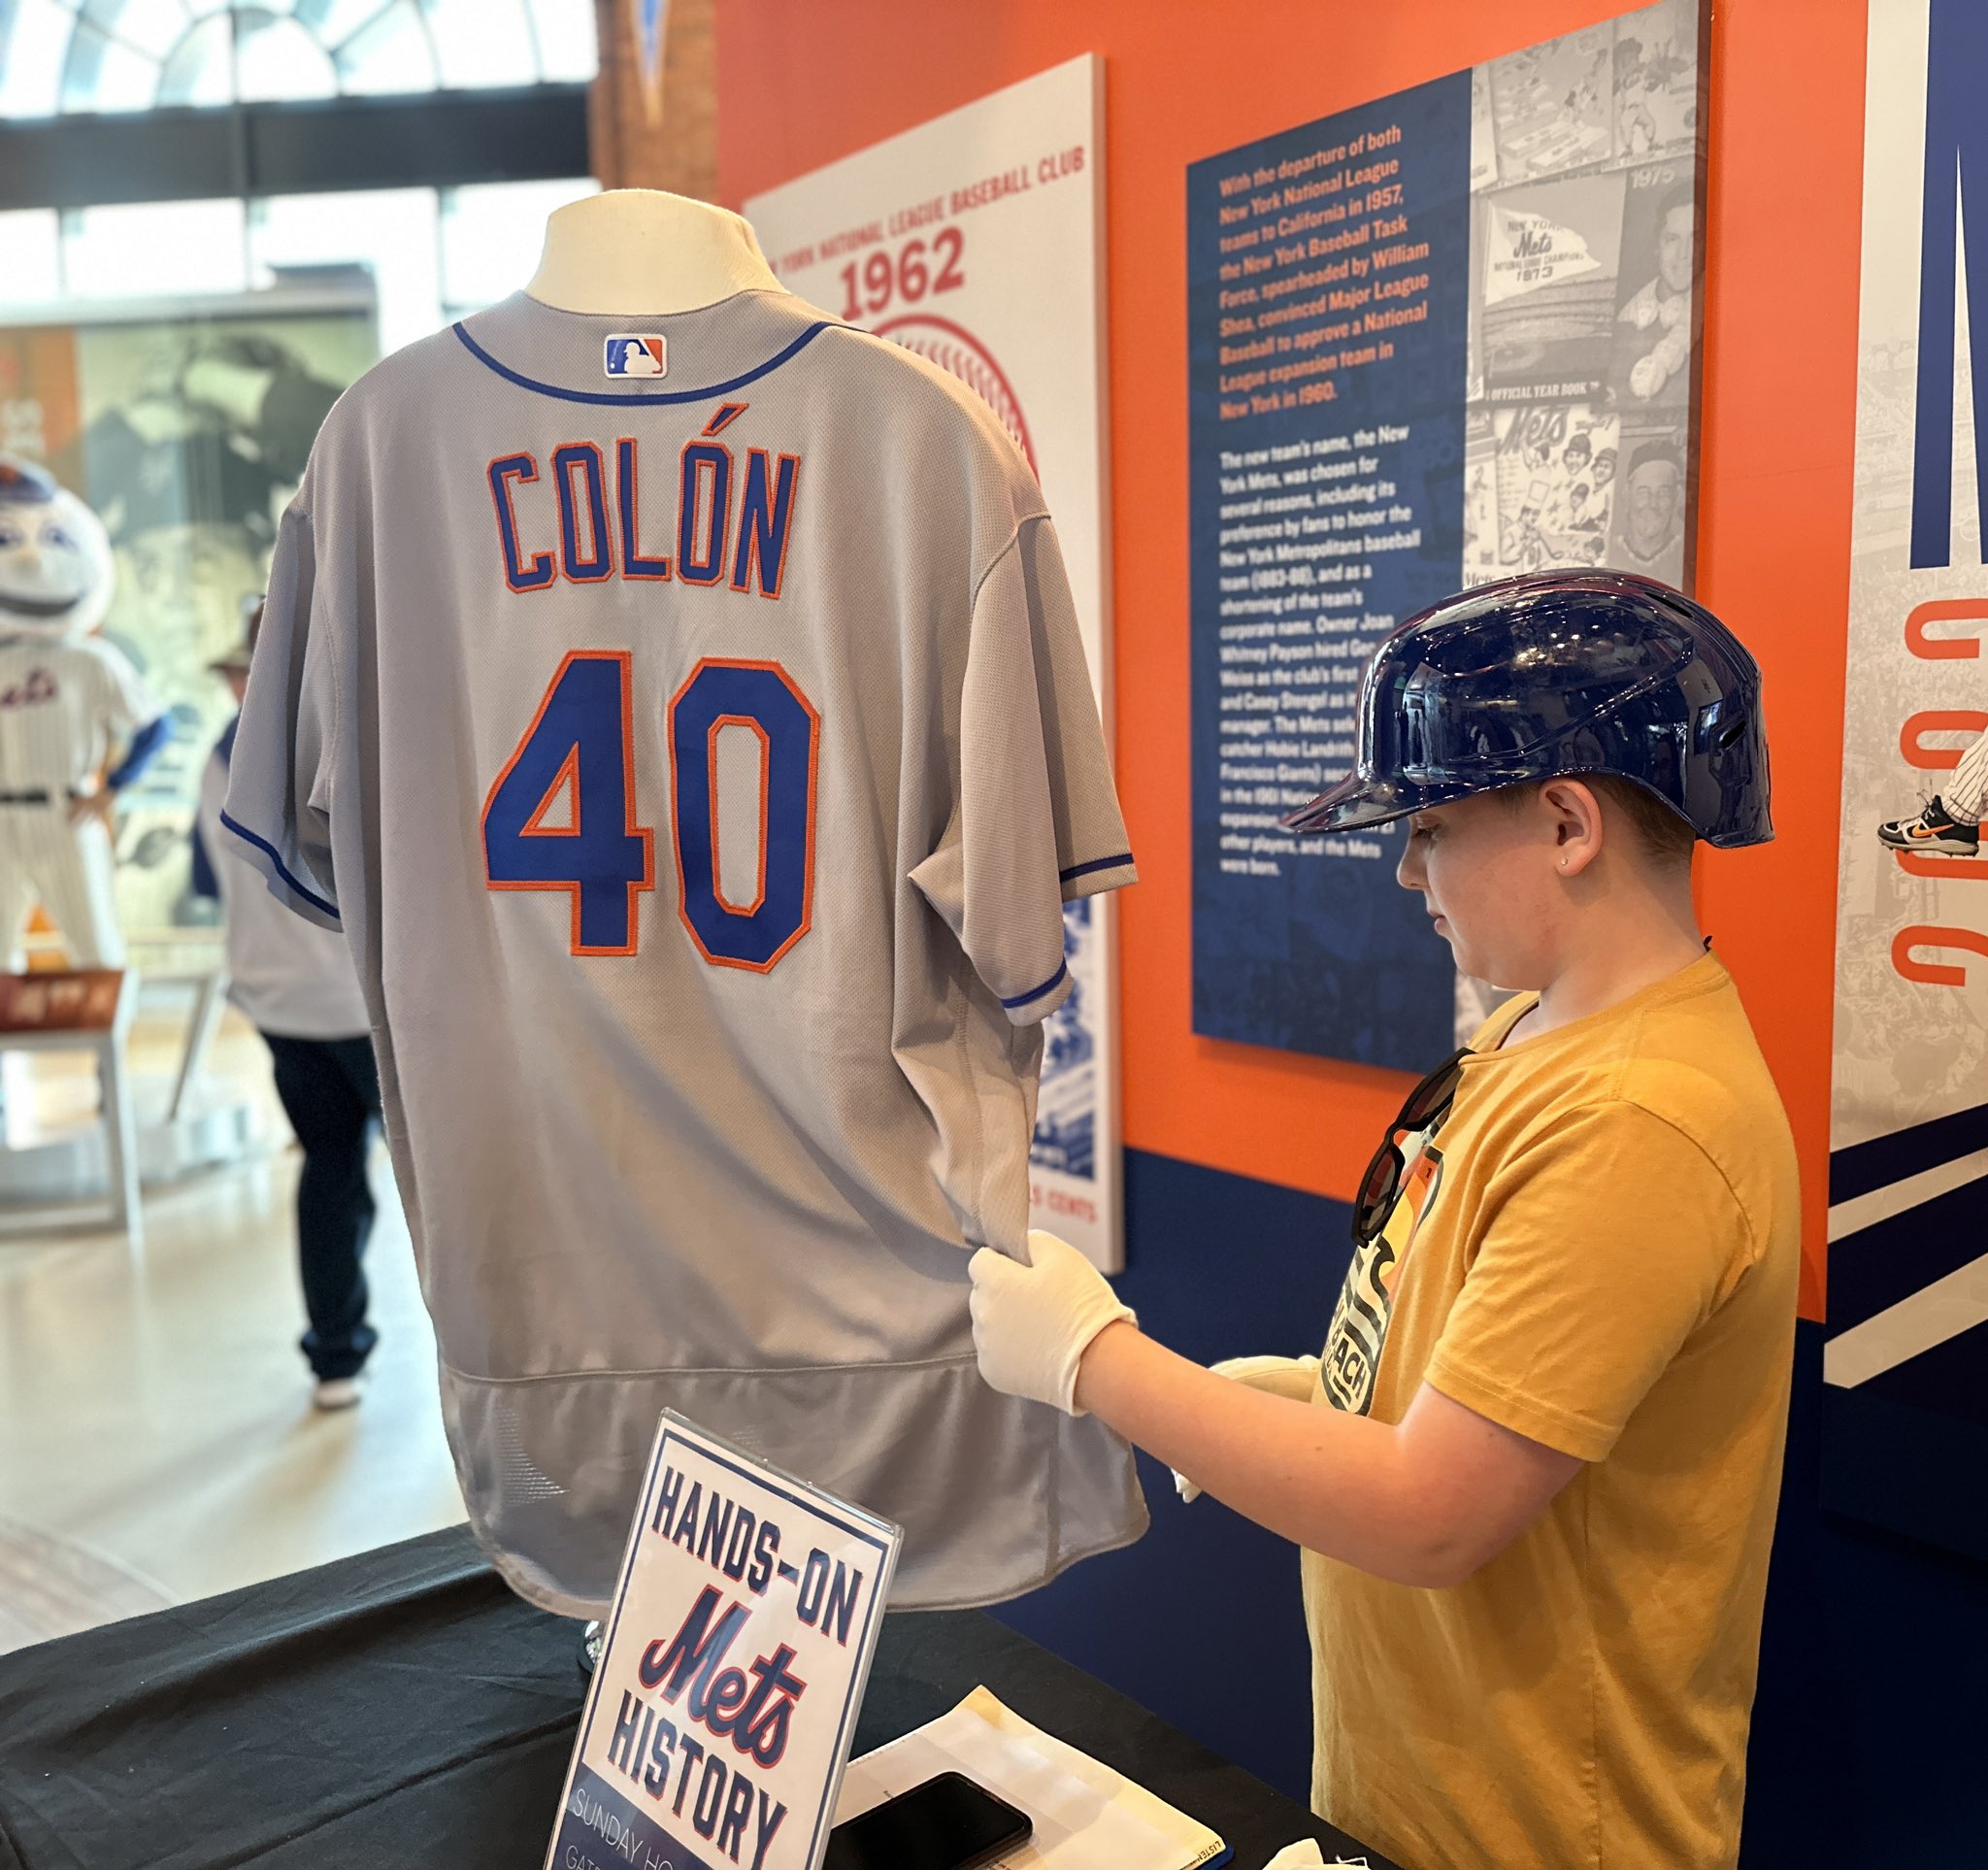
(638, 251)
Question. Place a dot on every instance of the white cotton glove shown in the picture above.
(1293, 1378)
(1302, 1856)
(1033, 1324)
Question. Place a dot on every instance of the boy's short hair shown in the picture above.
(1661, 833)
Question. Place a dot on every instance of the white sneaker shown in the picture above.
(335, 1392)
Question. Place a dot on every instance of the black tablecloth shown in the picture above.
(403, 1711)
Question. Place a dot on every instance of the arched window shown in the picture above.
(64, 57)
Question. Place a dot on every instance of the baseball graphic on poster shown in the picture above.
(959, 353)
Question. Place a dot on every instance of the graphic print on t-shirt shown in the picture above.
(1359, 1323)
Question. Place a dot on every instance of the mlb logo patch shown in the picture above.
(629, 353)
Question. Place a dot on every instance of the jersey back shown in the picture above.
(686, 721)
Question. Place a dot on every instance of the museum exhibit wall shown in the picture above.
(653, 119)
(1239, 1159)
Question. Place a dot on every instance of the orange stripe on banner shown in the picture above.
(1939, 759)
(1936, 972)
(1945, 610)
(1942, 868)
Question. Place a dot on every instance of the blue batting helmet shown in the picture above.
(1560, 674)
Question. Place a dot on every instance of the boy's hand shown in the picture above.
(1033, 1324)
(1292, 1377)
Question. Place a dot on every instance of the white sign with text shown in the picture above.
(724, 1704)
(977, 240)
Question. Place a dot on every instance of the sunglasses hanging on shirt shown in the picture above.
(1427, 1103)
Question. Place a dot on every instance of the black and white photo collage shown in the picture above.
(1586, 154)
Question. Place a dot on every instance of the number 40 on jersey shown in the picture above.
(561, 814)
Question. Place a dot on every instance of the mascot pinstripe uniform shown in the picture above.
(74, 719)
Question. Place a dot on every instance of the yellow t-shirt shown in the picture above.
(1599, 1248)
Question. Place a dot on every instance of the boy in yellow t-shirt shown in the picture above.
(1535, 1473)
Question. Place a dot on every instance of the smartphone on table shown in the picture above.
(946, 1823)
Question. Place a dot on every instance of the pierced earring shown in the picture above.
(1563, 863)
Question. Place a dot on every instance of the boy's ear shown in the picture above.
(1576, 822)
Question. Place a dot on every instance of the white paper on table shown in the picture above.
(1304, 1855)
(1086, 1816)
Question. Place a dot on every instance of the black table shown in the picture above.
(403, 1711)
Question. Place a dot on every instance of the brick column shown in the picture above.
(680, 151)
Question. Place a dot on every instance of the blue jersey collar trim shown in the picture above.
(625, 401)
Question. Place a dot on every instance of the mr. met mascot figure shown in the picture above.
(77, 726)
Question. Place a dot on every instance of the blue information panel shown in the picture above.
(1328, 332)
(1435, 341)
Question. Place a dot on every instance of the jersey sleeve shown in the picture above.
(279, 803)
(1035, 820)
(1584, 1290)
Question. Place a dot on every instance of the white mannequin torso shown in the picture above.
(632, 251)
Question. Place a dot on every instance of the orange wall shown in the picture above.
(801, 82)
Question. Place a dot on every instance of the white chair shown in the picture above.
(118, 1118)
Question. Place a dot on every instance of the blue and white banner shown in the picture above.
(723, 1711)
(1907, 1359)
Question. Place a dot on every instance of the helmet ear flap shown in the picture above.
(1720, 726)
(1733, 752)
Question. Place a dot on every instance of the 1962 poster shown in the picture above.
(977, 240)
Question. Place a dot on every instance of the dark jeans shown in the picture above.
(330, 1089)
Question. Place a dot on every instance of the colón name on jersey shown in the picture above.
(617, 509)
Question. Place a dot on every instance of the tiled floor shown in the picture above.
(155, 1413)
(52, 1587)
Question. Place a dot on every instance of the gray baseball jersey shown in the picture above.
(686, 719)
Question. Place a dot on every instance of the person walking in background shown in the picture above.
(295, 980)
